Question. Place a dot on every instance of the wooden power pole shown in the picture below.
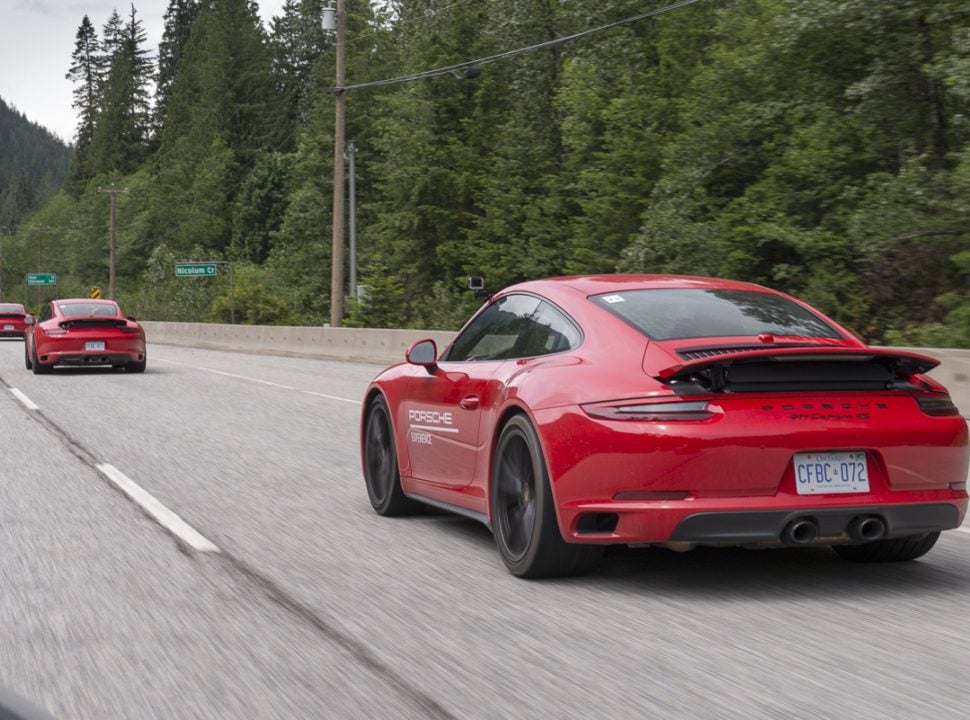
(113, 245)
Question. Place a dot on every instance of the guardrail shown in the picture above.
(384, 347)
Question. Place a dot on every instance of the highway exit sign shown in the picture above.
(41, 278)
(198, 269)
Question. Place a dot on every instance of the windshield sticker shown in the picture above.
(613, 299)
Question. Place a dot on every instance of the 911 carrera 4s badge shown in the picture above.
(424, 423)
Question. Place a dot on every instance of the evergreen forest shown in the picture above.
(33, 165)
(819, 147)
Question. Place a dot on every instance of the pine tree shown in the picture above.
(296, 41)
(121, 137)
(85, 72)
(179, 17)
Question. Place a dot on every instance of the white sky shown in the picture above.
(36, 42)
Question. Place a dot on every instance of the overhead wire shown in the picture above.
(449, 69)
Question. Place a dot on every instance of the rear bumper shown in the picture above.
(94, 358)
(768, 526)
(12, 333)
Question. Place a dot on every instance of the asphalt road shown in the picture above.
(308, 605)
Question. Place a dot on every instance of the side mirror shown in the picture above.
(29, 320)
(131, 317)
(423, 353)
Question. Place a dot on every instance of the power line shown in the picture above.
(520, 51)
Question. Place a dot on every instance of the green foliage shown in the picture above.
(816, 146)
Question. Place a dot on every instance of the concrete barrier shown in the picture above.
(356, 344)
(385, 347)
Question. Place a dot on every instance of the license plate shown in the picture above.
(94, 346)
(8, 327)
(832, 472)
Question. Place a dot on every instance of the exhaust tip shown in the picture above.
(866, 528)
(799, 532)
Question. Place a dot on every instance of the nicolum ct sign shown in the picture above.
(195, 269)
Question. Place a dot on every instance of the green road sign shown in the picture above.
(195, 269)
(41, 279)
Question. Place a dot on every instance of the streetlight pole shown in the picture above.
(351, 152)
(3, 231)
(113, 246)
(337, 254)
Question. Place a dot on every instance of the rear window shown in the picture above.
(681, 313)
(86, 309)
(4, 308)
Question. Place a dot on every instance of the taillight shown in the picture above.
(54, 331)
(129, 330)
(937, 405)
(653, 412)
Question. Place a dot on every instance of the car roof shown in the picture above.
(597, 284)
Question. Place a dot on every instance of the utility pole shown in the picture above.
(40, 244)
(113, 245)
(4, 230)
(337, 255)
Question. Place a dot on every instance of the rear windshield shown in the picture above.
(85, 309)
(681, 313)
(11, 308)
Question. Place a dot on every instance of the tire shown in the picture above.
(136, 367)
(889, 550)
(38, 367)
(523, 513)
(381, 471)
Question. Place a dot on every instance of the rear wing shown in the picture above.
(800, 368)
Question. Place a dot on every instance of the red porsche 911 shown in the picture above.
(12, 320)
(84, 332)
(574, 413)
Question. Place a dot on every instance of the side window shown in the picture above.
(494, 333)
(548, 331)
(516, 326)
(46, 313)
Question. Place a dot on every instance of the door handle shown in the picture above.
(470, 402)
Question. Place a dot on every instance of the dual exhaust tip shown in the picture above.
(864, 528)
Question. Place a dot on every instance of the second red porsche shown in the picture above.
(12, 320)
(84, 332)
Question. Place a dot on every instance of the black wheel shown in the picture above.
(38, 367)
(381, 471)
(136, 367)
(889, 550)
(523, 514)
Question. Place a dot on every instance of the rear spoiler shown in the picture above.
(902, 363)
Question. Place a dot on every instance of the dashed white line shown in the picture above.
(28, 403)
(263, 382)
(162, 515)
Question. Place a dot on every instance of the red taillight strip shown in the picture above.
(653, 412)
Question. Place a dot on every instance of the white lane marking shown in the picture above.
(28, 403)
(165, 517)
(262, 382)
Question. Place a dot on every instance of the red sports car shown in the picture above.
(574, 413)
(12, 317)
(84, 332)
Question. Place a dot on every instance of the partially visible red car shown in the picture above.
(574, 413)
(12, 317)
(84, 332)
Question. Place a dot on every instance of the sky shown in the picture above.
(36, 42)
